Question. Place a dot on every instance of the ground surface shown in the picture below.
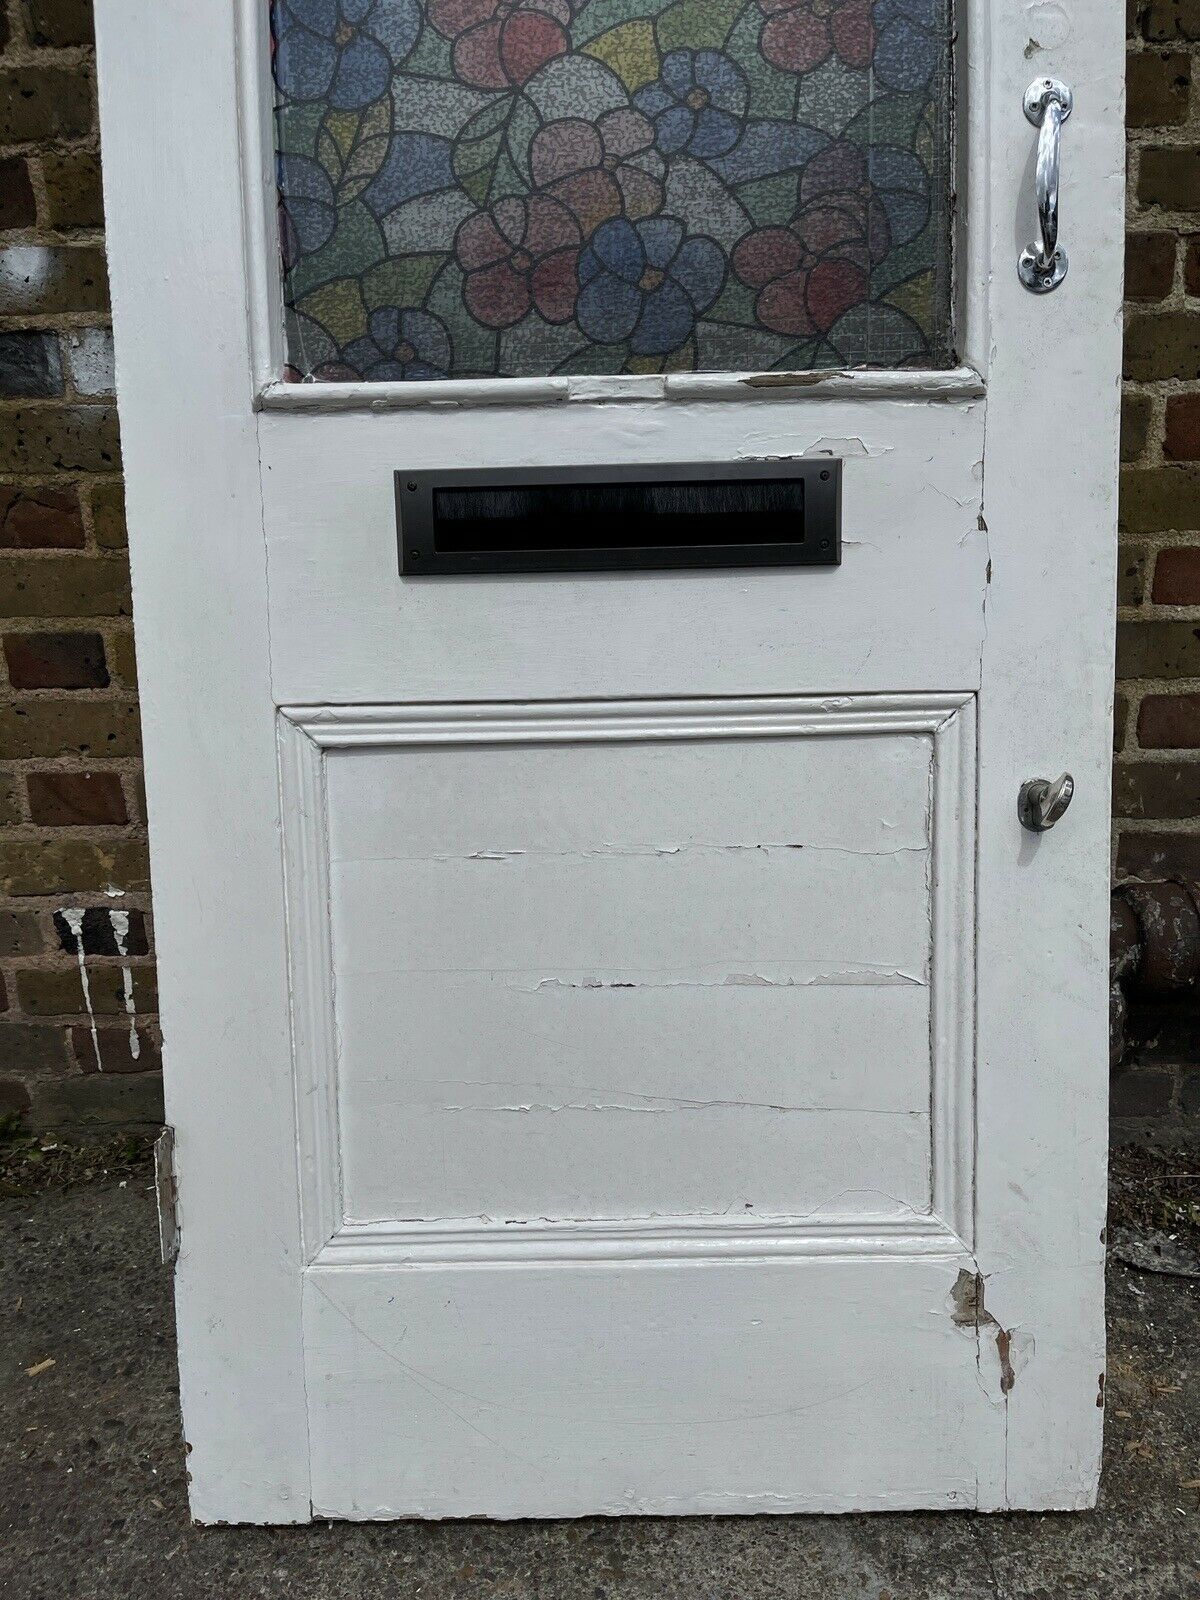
(93, 1502)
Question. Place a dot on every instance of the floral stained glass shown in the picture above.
(483, 188)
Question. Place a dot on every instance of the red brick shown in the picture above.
(1181, 438)
(1164, 20)
(1132, 561)
(64, 586)
(63, 864)
(1191, 265)
(1177, 577)
(58, 23)
(1153, 649)
(1158, 855)
(17, 206)
(72, 799)
(1162, 344)
(1156, 89)
(1169, 722)
(115, 1048)
(66, 725)
(1169, 176)
(1149, 265)
(1157, 499)
(44, 103)
(1135, 425)
(1156, 789)
(56, 660)
(14, 1099)
(59, 992)
(40, 519)
(1120, 720)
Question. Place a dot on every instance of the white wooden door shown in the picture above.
(624, 1051)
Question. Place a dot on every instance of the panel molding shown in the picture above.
(306, 733)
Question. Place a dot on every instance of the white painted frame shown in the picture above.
(306, 733)
(968, 152)
(190, 208)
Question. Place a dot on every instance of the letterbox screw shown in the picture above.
(410, 484)
(824, 477)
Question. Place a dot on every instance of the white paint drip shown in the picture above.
(120, 928)
(73, 917)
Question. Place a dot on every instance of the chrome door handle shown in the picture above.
(1041, 803)
(1042, 266)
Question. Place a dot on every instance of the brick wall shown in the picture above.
(78, 1045)
(72, 834)
(1156, 778)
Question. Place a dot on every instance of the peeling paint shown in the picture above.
(73, 917)
(969, 1312)
(120, 928)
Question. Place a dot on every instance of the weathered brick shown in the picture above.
(1149, 265)
(44, 103)
(20, 933)
(1158, 650)
(43, 279)
(1142, 1092)
(18, 209)
(90, 360)
(10, 803)
(29, 1047)
(108, 514)
(58, 22)
(73, 194)
(1191, 265)
(1158, 855)
(1169, 722)
(30, 364)
(89, 1101)
(103, 932)
(1162, 344)
(64, 586)
(72, 799)
(1132, 561)
(1177, 577)
(114, 1046)
(1157, 789)
(66, 865)
(58, 991)
(1156, 89)
(14, 1099)
(1135, 425)
(1169, 176)
(55, 660)
(1181, 436)
(64, 727)
(80, 438)
(39, 519)
(1159, 499)
(1163, 20)
(1120, 720)
(124, 661)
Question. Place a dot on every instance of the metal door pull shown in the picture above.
(1041, 803)
(1042, 266)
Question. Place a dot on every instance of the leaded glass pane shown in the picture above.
(483, 188)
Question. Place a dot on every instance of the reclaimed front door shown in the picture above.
(626, 1054)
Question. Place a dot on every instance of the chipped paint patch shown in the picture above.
(969, 1311)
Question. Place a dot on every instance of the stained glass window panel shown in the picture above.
(508, 188)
